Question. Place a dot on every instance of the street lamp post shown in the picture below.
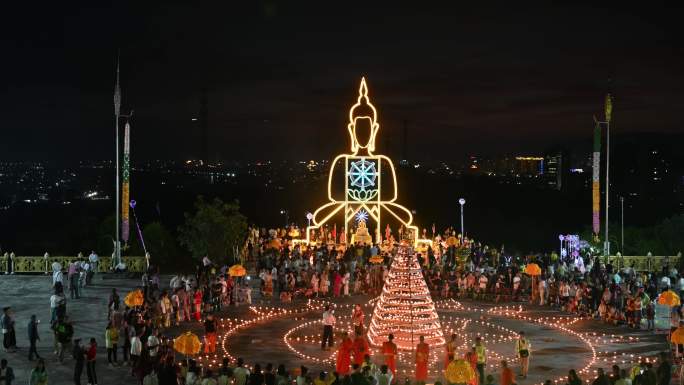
(462, 202)
(309, 217)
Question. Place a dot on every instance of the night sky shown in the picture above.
(281, 77)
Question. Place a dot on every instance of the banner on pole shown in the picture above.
(125, 198)
(596, 181)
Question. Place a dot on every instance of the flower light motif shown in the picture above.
(362, 215)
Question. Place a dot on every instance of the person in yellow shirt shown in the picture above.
(450, 350)
(481, 352)
(522, 350)
(111, 342)
(322, 379)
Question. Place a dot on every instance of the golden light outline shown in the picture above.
(374, 206)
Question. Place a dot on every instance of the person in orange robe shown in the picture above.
(507, 377)
(471, 357)
(450, 350)
(422, 357)
(361, 349)
(198, 304)
(344, 355)
(357, 319)
(389, 350)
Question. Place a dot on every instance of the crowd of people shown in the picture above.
(469, 270)
(466, 269)
(287, 271)
(137, 337)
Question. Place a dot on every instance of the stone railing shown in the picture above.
(645, 262)
(32, 264)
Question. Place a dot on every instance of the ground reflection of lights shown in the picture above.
(467, 321)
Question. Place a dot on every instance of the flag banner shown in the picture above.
(125, 198)
(595, 179)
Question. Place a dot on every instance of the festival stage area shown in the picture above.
(291, 335)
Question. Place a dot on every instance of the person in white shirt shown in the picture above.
(240, 373)
(188, 284)
(175, 282)
(384, 377)
(516, 285)
(153, 344)
(85, 270)
(542, 290)
(665, 282)
(564, 289)
(345, 283)
(136, 349)
(57, 276)
(328, 324)
(57, 300)
(93, 258)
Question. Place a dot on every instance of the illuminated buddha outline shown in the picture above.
(369, 196)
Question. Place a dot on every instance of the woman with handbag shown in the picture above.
(522, 350)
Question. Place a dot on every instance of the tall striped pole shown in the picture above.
(125, 198)
(117, 114)
(596, 181)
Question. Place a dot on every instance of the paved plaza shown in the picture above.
(559, 341)
(558, 344)
(30, 294)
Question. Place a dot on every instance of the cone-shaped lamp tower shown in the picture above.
(405, 307)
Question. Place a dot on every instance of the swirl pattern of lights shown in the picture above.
(467, 321)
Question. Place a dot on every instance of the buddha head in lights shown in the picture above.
(363, 124)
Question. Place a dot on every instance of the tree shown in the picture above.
(105, 236)
(158, 241)
(215, 229)
(669, 232)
